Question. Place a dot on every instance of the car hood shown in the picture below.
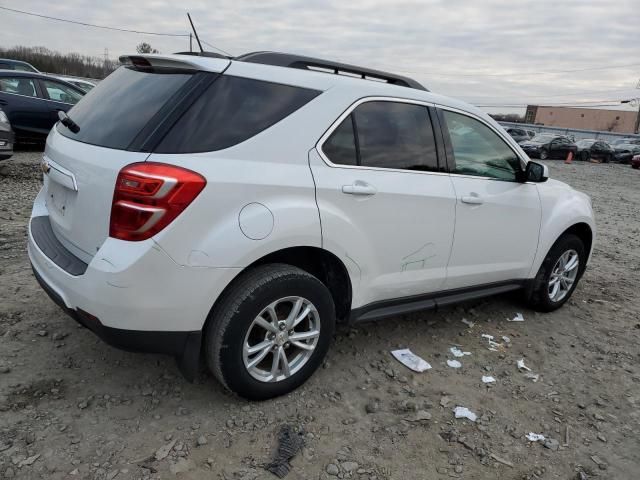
(530, 144)
(627, 147)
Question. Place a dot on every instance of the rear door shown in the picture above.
(114, 118)
(497, 217)
(386, 207)
(59, 97)
(21, 99)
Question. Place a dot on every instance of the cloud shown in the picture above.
(486, 52)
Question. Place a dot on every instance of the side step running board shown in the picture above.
(432, 301)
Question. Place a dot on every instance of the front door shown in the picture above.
(386, 209)
(497, 217)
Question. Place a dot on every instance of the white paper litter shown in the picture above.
(535, 437)
(532, 376)
(464, 412)
(411, 360)
(517, 318)
(454, 363)
(486, 379)
(522, 366)
(506, 339)
(458, 353)
(469, 323)
(493, 346)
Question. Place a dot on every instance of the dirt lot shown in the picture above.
(73, 407)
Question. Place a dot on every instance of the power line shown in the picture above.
(581, 103)
(85, 24)
(620, 90)
(518, 74)
(219, 49)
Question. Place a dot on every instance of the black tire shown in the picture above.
(539, 298)
(232, 316)
(584, 156)
(544, 154)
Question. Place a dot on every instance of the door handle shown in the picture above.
(359, 188)
(473, 199)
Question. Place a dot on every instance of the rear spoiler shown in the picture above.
(182, 62)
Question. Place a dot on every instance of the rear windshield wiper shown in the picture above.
(67, 122)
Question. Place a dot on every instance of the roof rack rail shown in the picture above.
(316, 64)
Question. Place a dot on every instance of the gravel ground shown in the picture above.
(73, 407)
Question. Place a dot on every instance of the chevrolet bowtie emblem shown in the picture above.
(44, 166)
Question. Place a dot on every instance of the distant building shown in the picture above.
(619, 121)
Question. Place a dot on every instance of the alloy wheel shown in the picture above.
(563, 275)
(281, 339)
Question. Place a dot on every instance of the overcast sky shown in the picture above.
(486, 52)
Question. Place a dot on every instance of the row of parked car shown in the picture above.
(30, 102)
(551, 146)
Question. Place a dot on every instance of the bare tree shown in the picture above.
(144, 47)
(72, 64)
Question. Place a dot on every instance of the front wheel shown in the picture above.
(585, 156)
(559, 274)
(270, 331)
(544, 154)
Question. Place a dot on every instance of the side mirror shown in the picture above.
(536, 172)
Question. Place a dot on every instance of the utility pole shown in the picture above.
(637, 127)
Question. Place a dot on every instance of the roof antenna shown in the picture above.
(195, 33)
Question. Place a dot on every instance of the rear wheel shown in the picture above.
(584, 156)
(559, 274)
(270, 331)
(544, 154)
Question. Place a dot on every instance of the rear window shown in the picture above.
(113, 113)
(230, 111)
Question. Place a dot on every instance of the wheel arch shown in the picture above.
(584, 232)
(320, 263)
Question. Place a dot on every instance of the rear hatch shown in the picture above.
(118, 122)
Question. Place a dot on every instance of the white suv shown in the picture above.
(236, 209)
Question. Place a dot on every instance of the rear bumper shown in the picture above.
(170, 343)
(131, 294)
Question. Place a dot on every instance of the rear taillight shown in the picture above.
(149, 196)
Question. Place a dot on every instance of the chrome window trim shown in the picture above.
(37, 98)
(346, 113)
(354, 105)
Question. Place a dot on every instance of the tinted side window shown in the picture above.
(395, 135)
(61, 93)
(478, 150)
(230, 111)
(19, 86)
(340, 147)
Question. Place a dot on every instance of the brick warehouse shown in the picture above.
(619, 121)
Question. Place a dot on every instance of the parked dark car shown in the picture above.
(620, 141)
(624, 152)
(519, 134)
(8, 64)
(6, 137)
(591, 148)
(548, 145)
(32, 101)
